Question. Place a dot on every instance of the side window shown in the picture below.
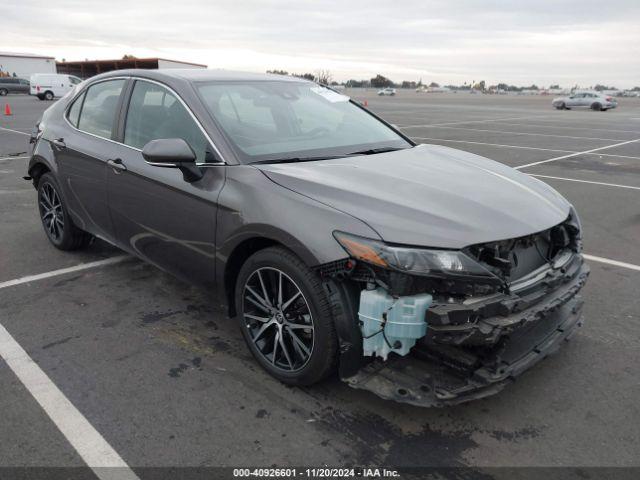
(154, 112)
(99, 108)
(74, 111)
(74, 80)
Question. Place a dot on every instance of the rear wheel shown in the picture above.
(285, 317)
(3, 92)
(596, 106)
(57, 224)
(48, 96)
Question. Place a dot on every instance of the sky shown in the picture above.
(447, 41)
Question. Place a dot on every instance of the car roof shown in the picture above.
(202, 75)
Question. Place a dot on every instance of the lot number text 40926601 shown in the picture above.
(323, 472)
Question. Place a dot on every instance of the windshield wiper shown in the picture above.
(373, 151)
(298, 159)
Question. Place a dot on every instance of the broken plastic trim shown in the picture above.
(439, 377)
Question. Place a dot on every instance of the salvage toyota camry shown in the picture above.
(424, 274)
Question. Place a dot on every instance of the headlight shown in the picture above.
(574, 220)
(414, 261)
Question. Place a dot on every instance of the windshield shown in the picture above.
(291, 120)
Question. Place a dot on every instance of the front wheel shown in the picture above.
(285, 317)
(3, 92)
(561, 106)
(57, 224)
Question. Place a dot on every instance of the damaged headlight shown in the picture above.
(413, 261)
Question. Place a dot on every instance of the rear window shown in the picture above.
(99, 108)
(74, 111)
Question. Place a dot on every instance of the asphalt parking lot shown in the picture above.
(157, 369)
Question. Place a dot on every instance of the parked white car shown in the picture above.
(387, 91)
(47, 86)
(592, 100)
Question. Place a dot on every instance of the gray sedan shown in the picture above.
(424, 274)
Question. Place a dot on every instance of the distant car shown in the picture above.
(592, 100)
(387, 91)
(13, 85)
(47, 86)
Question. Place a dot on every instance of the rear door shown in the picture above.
(23, 85)
(82, 144)
(574, 100)
(156, 213)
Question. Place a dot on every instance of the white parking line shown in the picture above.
(13, 158)
(521, 133)
(493, 144)
(501, 145)
(86, 440)
(569, 128)
(576, 154)
(584, 181)
(62, 271)
(14, 131)
(615, 263)
(484, 120)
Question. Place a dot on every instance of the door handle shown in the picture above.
(59, 143)
(117, 165)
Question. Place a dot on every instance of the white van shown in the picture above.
(47, 86)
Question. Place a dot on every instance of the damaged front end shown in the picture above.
(437, 327)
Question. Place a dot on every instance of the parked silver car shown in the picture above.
(592, 100)
(387, 91)
(13, 85)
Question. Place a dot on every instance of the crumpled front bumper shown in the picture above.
(485, 321)
(445, 375)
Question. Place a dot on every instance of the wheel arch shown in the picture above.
(249, 245)
(36, 169)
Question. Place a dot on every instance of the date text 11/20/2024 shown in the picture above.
(324, 472)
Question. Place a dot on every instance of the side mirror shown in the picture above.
(173, 153)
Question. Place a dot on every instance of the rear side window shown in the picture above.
(154, 112)
(74, 111)
(99, 108)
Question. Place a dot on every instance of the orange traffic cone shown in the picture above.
(7, 109)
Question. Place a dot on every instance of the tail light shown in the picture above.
(608, 99)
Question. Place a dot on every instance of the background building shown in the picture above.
(23, 65)
(89, 68)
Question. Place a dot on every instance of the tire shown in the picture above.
(40, 97)
(561, 106)
(48, 96)
(3, 92)
(63, 234)
(596, 106)
(262, 321)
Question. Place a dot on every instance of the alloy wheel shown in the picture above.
(278, 319)
(51, 212)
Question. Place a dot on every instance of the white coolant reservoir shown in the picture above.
(391, 324)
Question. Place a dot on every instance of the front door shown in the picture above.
(157, 215)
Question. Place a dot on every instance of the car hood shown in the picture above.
(428, 195)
